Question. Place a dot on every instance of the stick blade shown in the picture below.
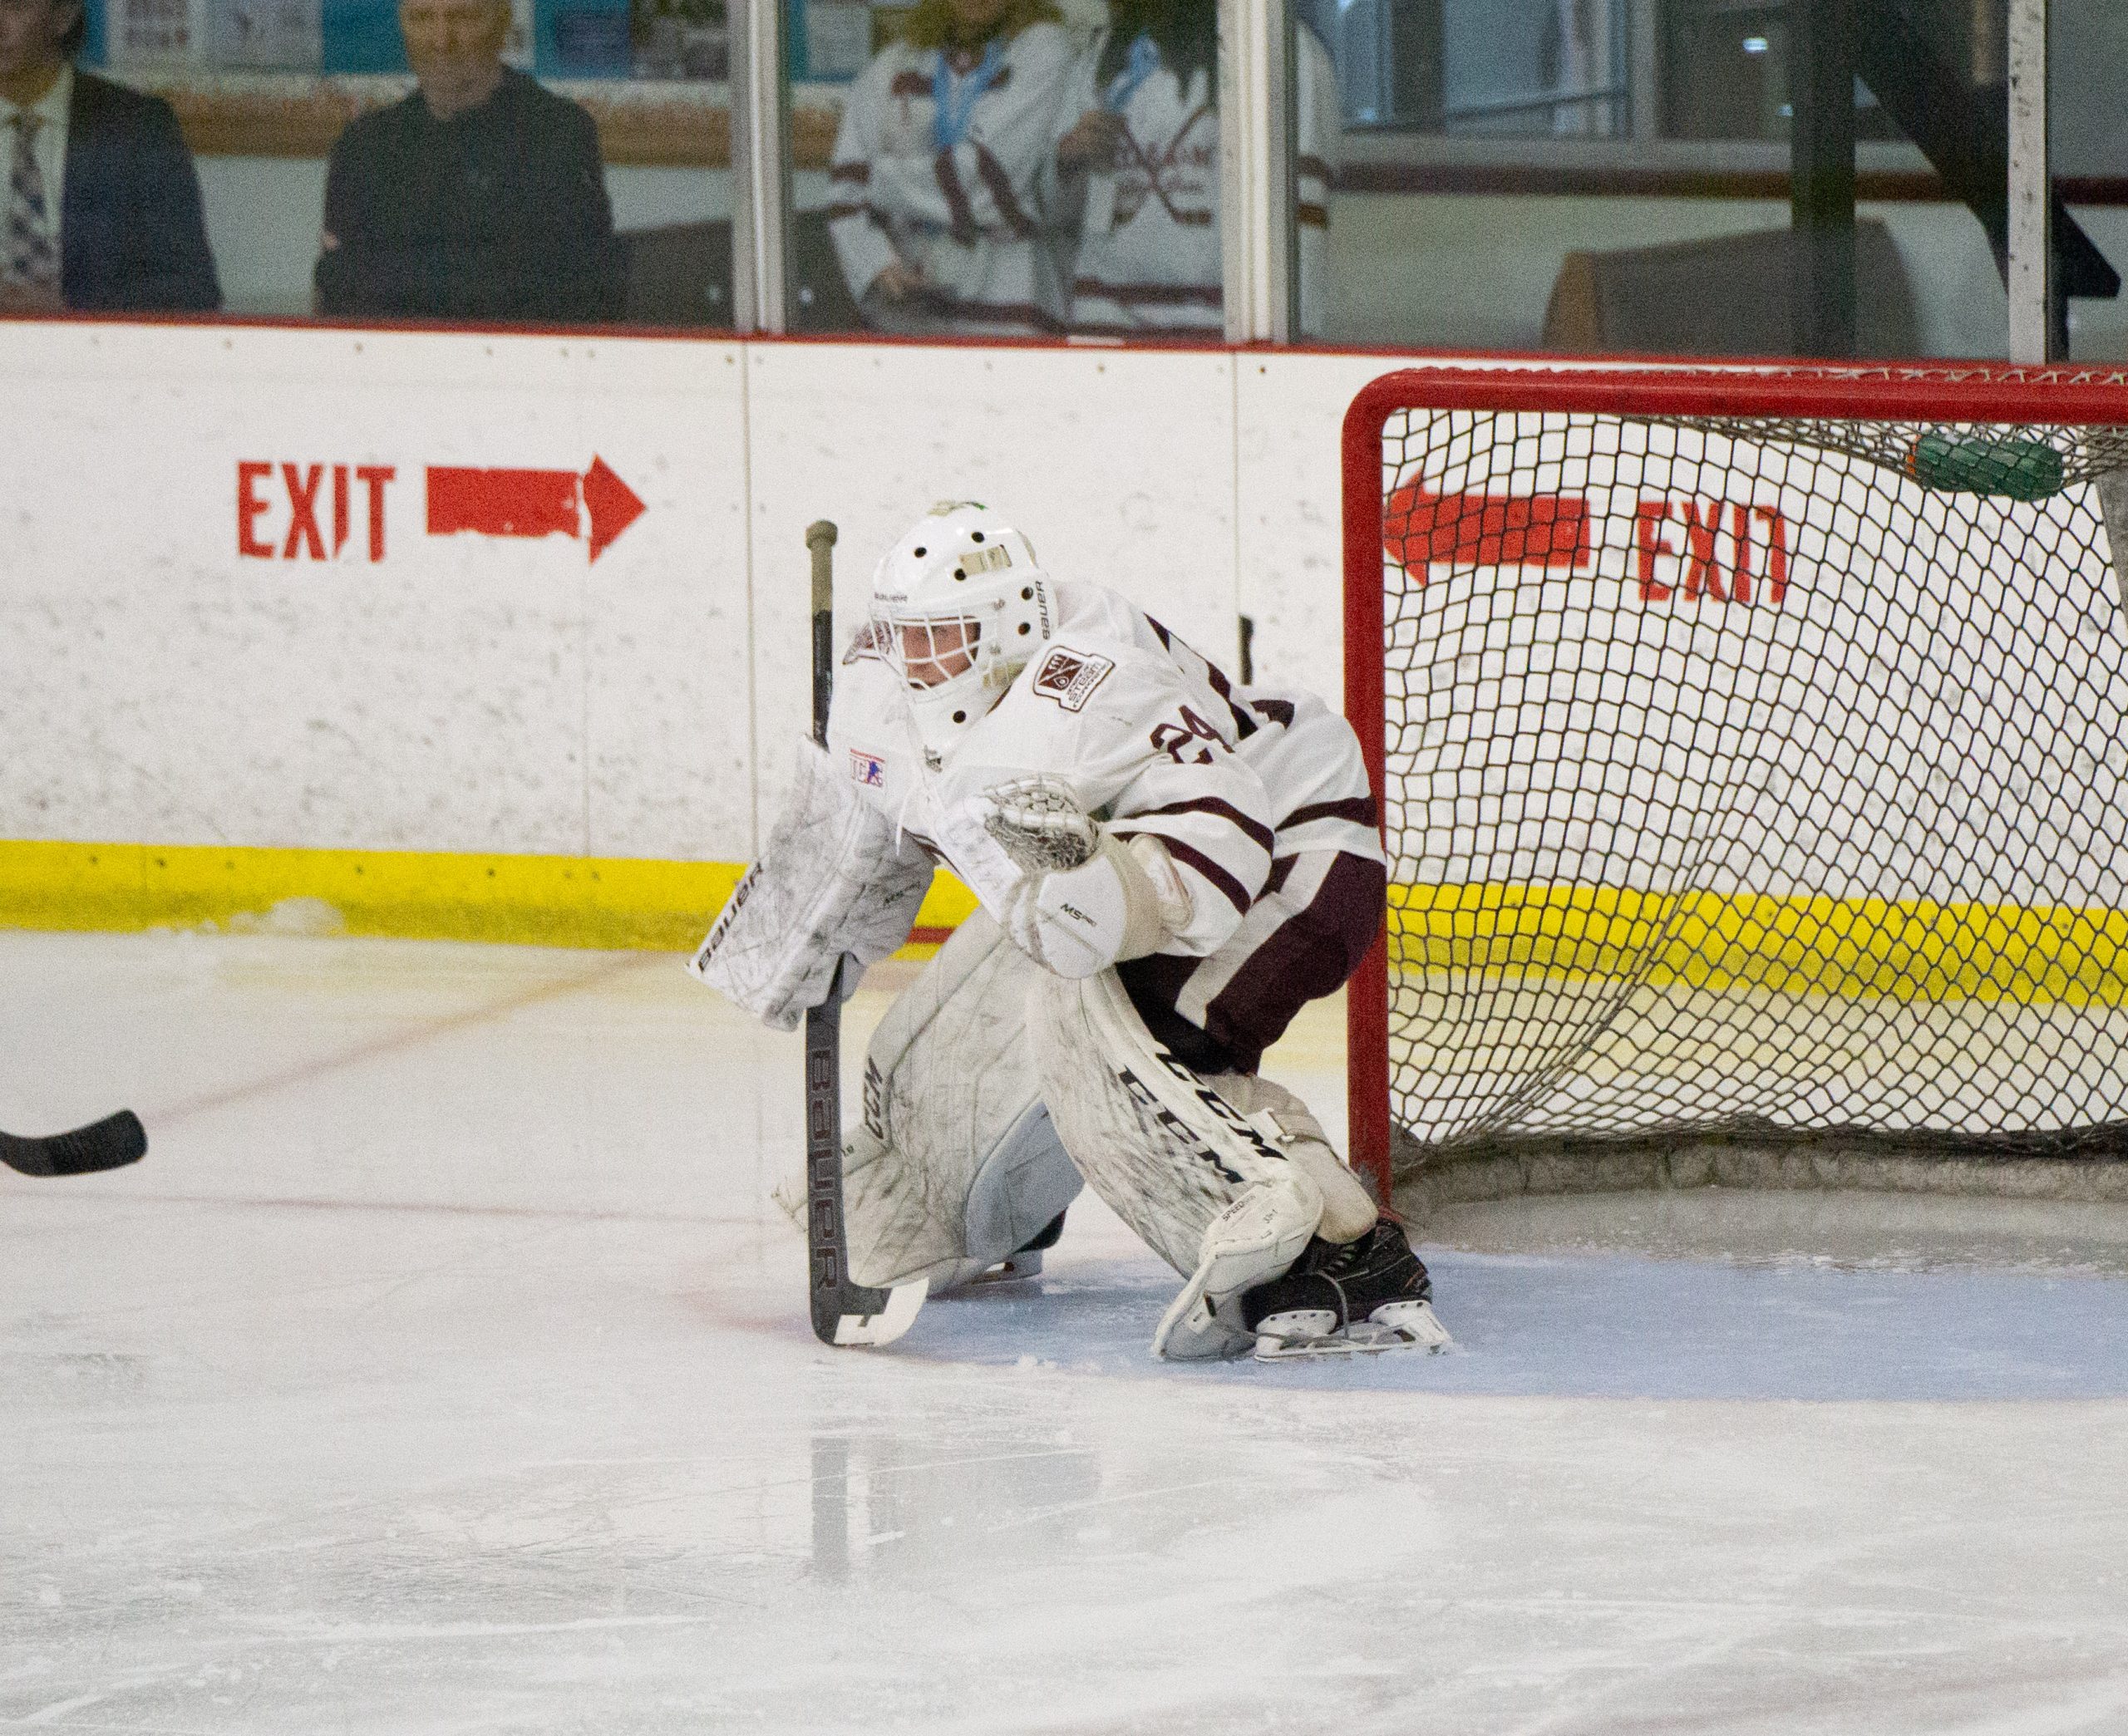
(890, 1322)
(111, 1143)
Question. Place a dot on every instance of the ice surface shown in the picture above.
(444, 1368)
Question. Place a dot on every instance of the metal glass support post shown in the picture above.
(1821, 184)
(2034, 321)
(1256, 168)
(1644, 70)
(761, 168)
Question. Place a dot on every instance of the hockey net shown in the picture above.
(1754, 754)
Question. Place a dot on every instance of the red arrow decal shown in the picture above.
(612, 505)
(1419, 529)
(531, 503)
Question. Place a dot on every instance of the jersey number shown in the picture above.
(1172, 739)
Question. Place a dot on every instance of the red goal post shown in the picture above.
(1742, 411)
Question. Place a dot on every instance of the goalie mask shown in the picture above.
(959, 608)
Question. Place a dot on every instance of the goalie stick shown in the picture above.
(111, 1143)
(843, 1313)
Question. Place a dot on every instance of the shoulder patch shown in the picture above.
(868, 769)
(1070, 677)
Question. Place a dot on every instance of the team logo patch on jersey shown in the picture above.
(868, 769)
(1070, 677)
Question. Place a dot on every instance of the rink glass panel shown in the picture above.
(1613, 176)
(263, 93)
(1749, 766)
(1082, 252)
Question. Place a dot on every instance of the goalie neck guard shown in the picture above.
(959, 608)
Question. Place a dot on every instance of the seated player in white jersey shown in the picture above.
(1169, 867)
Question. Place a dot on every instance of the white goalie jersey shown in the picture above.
(1149, 737)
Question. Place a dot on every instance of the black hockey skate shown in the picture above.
(1024, 1261)
(1341, 1299)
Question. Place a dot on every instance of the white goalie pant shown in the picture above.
(955, 1164)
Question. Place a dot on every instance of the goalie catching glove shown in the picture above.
(1074, 897)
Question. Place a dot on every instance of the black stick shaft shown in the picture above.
(829, 1280)
(819, 538)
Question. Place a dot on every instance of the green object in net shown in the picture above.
(2020, 469)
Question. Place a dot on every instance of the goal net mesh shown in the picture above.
(1764, 776)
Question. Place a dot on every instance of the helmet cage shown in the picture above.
(957, 613)
(928, 650)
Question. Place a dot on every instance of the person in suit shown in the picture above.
(480, 195)
(99, 203)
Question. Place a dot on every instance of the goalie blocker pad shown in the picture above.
(833, 880)
(955, 1164)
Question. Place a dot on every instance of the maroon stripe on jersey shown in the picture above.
(1141, 328)
(1257, 831)
(1315, 217)
(1305, 957)
(1357, 808)
(870, 213)
(1236, 894)
(1000, 185)
(1280, 711)
(910, 84)
(949, 184)
(1282, 871)
(1022, 313)
(858, 172)
(1311, 165)
(1244, 725)
(1159, 295)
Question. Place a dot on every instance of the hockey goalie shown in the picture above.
(1169, 867)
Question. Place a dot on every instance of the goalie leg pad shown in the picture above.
(1023, 1187)
(1151, 1136)
(954, 1164)
(1255, 1239)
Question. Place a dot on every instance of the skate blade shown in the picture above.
(1364, 1340)
(1020, 1266)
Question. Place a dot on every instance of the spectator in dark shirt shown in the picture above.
(480, 196)
(99, 203)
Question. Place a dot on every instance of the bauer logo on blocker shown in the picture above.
(1070, 677)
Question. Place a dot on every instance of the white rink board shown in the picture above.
(479, 693)
(1930, 707)
(476, 693)
(459, 692)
